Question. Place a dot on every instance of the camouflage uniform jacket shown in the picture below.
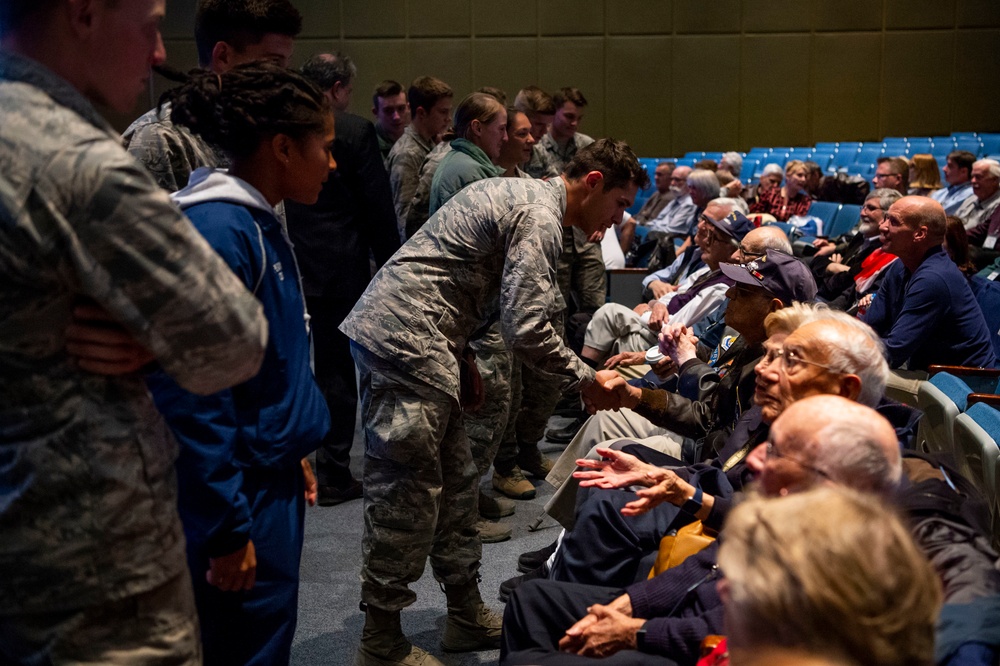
(540, 165)
(420, 205)
(404, 163)
(489, 252)
(170, 152)
(88, 504)
(560, 156)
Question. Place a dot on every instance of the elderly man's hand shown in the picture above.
(616, 469)
(625, 360)
(669, 488)
(661, 289)
(609, 631)
(823, 247)
(679, 343)
(599, 395)
(658, 317)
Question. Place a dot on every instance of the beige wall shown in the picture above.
(676, 75)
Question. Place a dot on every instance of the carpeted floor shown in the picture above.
(329, 620)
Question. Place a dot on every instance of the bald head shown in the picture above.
(768, 237)
(853, 445)
(916, 212)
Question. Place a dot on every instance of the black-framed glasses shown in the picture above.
(773, 452)
(749, 255)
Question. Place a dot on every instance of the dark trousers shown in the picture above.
(538, 614)
(335, 375)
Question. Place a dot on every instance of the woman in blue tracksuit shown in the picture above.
(240, 470)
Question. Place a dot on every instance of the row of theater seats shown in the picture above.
(855, 158)
(961, 418)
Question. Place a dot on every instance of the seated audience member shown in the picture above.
(673, 221)
(814, 179)
(977, 210)
(480, 132)
(956, 244)
(852, 587)
(832, 354)
(789, 199)
(709, 397)
(817, 441)
(925, 311)
(392, 115)
(770, 177)
(732, 164)
(892, 173)
(958, 175)
(430, 114)
(707, 165)
(846, 272)
(702, 187)
(616, 327)
(241, 492)
(925, 176)
(663, 195)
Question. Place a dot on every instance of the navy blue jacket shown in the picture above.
(930, 316)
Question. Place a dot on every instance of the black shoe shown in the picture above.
(511, 584)
(332, 496)
(565, 434)
(533, 559)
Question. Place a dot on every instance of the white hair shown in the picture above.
(992, 165)
(704, 181)
(773, 168)
(733, 162)
(735, 203)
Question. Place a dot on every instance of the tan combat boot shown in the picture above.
(471, 624)
(513, 484)
(383, 643)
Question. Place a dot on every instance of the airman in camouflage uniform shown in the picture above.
(540, 165)
(92, 564)
(404, 162)
(170, 152)
(420, 203)
(489, 251)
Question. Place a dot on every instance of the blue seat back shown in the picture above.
(844, 220)
(824, 210)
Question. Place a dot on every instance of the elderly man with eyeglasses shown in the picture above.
(616, 327)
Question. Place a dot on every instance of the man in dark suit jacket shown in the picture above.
(836, 265)
(333, 237)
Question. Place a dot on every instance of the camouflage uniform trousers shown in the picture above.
(581, 273)
(155, 627)
(486, 427)
(420, 485)
(534, 396)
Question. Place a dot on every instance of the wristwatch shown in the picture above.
(640, 637)
(693, 505)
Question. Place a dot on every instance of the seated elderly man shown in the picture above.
(925, 311)
(977, 211)
(832, 354)
(616, 327)
(819, 440)
(846, 272)
(708, 394)
(680, 222)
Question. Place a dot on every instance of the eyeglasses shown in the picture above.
(748, 255)
(773, 452)
(791, 359)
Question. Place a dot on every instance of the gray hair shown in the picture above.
(993, 165)
(886, 197)
(733, 162)
(705, 182)
(855, 351)
(768, 237)
(849, 453)
(326, 69)
(737, 203)
(773, 169)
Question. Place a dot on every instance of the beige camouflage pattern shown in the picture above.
(581, 272)
(170, 152)
(420, 484)
(560, 156)
(486, 426)
(540, 165)
(420, 204)
(491, 249)
(403, 164)
(88, 502)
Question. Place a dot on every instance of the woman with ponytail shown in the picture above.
(241, 486)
